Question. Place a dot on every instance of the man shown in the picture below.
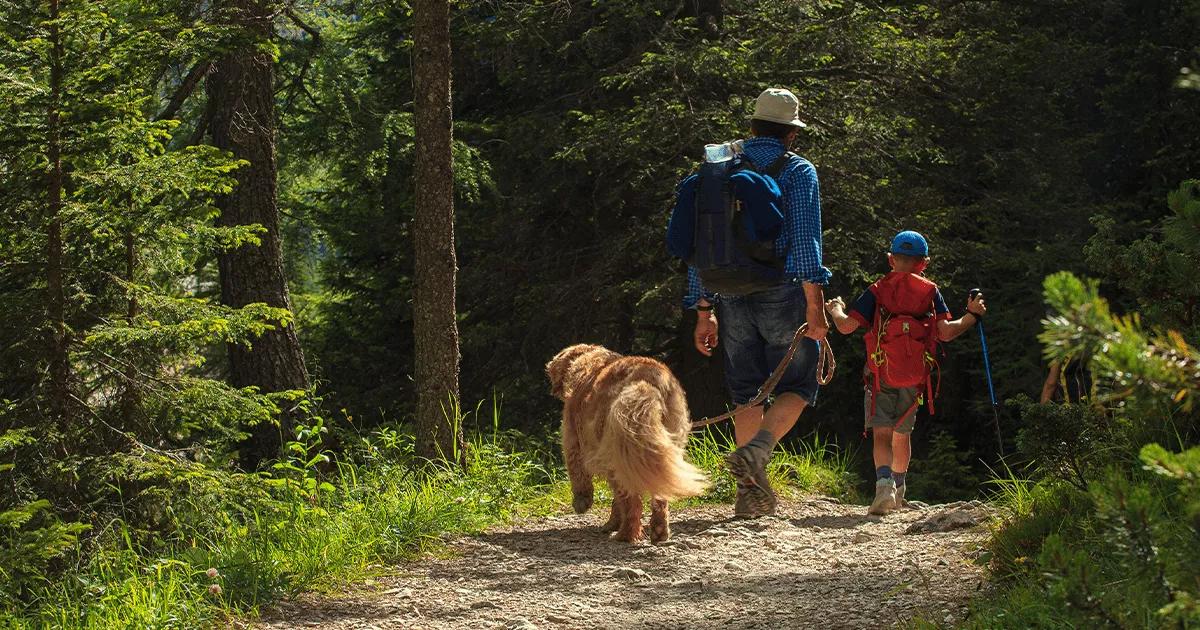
(757, 328)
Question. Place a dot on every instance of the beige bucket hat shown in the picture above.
(779, 106)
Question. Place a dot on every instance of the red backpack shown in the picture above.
(903, 336)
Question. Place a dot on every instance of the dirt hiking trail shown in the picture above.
(818, 564)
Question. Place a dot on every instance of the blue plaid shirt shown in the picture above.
(800, 244)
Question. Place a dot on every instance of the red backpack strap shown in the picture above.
(877, 330)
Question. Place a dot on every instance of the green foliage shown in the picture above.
(944, 474)
(1147, 368)
(1069, 442)
(1113, 524)
(136, 223)
(268, 535)
(31, 536)
(1119, 555)
(1183, 468)
(1157, 272)
(1035, 512)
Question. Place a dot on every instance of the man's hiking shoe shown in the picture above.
(900, 502)
(754, 497)
(752, 502)
(885, 497)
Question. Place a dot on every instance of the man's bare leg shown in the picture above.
(779, 419)
(746, 424)
(783, 414)
(749, 462)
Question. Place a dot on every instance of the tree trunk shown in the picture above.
(60, 366)
(241, 119)
(435, 329)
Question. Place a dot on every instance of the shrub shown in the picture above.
(943, 474)
(1069, 442)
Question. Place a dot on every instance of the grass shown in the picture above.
(299, 531)
(364, 518)
(1120, 554)
(812, 466)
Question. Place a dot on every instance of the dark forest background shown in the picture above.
(207, 271)
(1021, 138)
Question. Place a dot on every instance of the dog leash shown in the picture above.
(826, 366)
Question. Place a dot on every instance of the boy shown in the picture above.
(905, 316)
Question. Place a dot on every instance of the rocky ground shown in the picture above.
(818, 564)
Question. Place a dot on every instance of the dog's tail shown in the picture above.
(644, 443)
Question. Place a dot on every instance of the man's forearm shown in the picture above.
(815, 294)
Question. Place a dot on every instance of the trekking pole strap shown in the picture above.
(826, 367)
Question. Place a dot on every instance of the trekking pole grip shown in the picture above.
(971, 296)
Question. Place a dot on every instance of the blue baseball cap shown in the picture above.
(910, 243)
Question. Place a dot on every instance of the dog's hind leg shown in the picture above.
(660, 526)
(630, 529)
(581, 481)
(614, 518)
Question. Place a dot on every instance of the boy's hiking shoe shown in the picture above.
(754, 495)
(885, 497)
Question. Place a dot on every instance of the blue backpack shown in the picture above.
(725, 222)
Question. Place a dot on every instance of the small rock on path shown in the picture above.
(818, 564)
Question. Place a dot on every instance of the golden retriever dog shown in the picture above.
(625, 419)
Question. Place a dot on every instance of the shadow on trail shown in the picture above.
(816, 598)
(584, 542)
(834, 521)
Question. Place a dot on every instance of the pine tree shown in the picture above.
(241, 119)
(105, 224)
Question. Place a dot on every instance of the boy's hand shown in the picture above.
(834, 306)
(705, 335)
(976, 306)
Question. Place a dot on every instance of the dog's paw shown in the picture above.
(629, 535)
(659, 532)
(582, 502)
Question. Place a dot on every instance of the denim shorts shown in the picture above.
(755, 331)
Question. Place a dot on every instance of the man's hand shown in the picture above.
(818, 325)
(976, 306)
(705, 335)
(835, 306)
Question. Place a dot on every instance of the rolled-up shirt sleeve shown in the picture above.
(803, 237)
(695, 289)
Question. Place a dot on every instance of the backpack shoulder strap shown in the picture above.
(779, 164)
(931, 288)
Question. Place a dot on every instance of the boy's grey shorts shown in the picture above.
(892, 402)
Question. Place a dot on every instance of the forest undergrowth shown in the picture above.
(225, 544)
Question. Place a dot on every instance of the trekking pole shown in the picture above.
(987, 369)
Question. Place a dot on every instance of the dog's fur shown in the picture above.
(626, 419)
